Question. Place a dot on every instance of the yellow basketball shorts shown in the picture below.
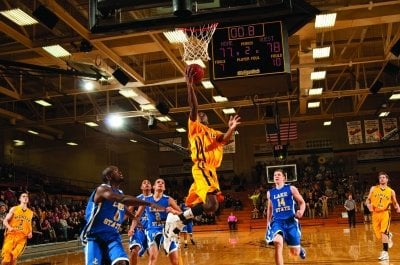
(205, 181)
(381, 223)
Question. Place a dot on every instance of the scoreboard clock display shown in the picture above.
(249, 50)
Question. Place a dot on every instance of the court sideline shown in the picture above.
(326, 245)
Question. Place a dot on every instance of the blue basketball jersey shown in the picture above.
(103, 218)
(143, 217)
(283, 203)
(155, 218)
(100, 235)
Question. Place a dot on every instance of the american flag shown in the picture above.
(288, 132)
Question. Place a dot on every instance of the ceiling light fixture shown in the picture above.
(133, 140)
(163, 118)
(88, 85)
(56, 51)
(91, 124)
(321, 52)
(18, 142)
(19, 17)
(147, 107)
(315, 91)
(384, 114)
(207, 84)
(114, 121)
(220, 99)
(313, 105)
(176, 36)
(43, 103)
(181, 130)
(72, 144)
(229, 111)
(395, 96)
(33, 132)
(325, 20)
(128, 92)
(319, 75)
(327, 123)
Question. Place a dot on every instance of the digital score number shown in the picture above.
(249, 50)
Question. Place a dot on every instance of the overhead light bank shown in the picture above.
(19, 17)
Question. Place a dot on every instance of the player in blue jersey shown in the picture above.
(282, 217)
(188, 228)
(137, 237)
(155, 224)
(104, 215)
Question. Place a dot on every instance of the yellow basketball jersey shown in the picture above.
(381, 198)
(204, 146)
(22, 220)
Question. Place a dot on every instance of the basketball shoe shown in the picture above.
(173, 225)
(390, 240)
(384, 255)
(302, 253)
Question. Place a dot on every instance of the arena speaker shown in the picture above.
(163, 108)
(121, 77)
(374, 89)
(152, 123)
(396, 48)
(182, 8)
(45, 16)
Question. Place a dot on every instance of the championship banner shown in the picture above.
(170, 144)
(231, 147)
(354, 132)
(388, 125)
(371, 130)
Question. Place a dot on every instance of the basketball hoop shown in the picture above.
(198, 38)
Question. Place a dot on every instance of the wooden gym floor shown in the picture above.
(326, 245)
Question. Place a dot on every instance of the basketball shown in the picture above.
(198, 72)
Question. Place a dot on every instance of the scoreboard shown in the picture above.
(249, 50)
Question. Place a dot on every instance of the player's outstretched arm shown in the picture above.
(105, 192)
(192, 99)
(234, 121)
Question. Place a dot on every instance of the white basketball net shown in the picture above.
(196, 46)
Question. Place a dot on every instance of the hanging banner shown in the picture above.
(231, 147)
(371, 130)
(169, 144)
(388, 125)
(354, 132)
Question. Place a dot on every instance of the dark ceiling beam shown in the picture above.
(295, 14)
(16, 66)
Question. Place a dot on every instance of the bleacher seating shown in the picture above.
(246, 222)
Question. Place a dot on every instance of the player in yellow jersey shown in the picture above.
(18, 224)
(380, 200)
(206, 146)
